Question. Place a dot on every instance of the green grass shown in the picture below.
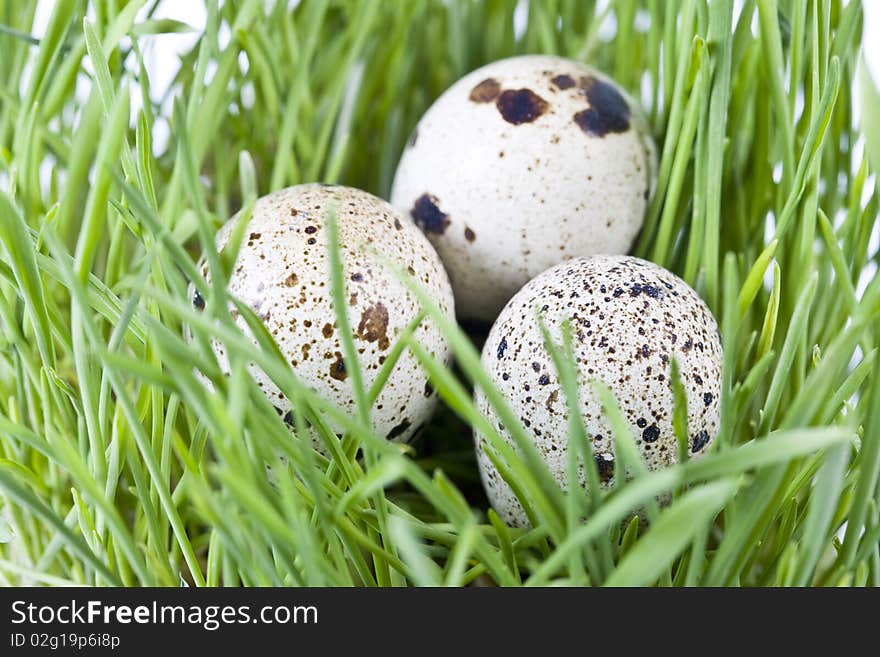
(117, 466)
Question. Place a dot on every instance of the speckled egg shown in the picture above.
(282, 273)
(629, 318)
(520, 165)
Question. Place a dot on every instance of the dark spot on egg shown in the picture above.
(563, 81)
(700, 441)
(651, 434)
(469, 235)
(428, 215)
(286, 417)
(337, 368)
(543, 380)
(707, 398)
(198, 301)
(643, 288)
(429, 389)
(311, 229)
(397, 223)
(486, 91)
(291, 280)
(254, 236)
(642, 423)
(327, 331)
(398, 429)
(605, 467)
(502, 347)
(519, 106)
(608, 111)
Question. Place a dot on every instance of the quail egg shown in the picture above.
(522, 164)
(282, 272)
(629, 318)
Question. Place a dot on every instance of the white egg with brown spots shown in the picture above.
(522, 164)
(283, 274)
(629, 318)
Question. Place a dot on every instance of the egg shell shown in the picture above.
(283, 274)
(522, 164)
(629, 318)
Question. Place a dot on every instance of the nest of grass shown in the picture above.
(119, 467)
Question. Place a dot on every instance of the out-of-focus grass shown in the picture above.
(117, 466)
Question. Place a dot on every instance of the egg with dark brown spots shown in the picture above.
(521, 164)
(629, 319)
(283, 274)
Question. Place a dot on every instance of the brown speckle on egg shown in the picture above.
(374, 325)
(486, 91)
(337, 368)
